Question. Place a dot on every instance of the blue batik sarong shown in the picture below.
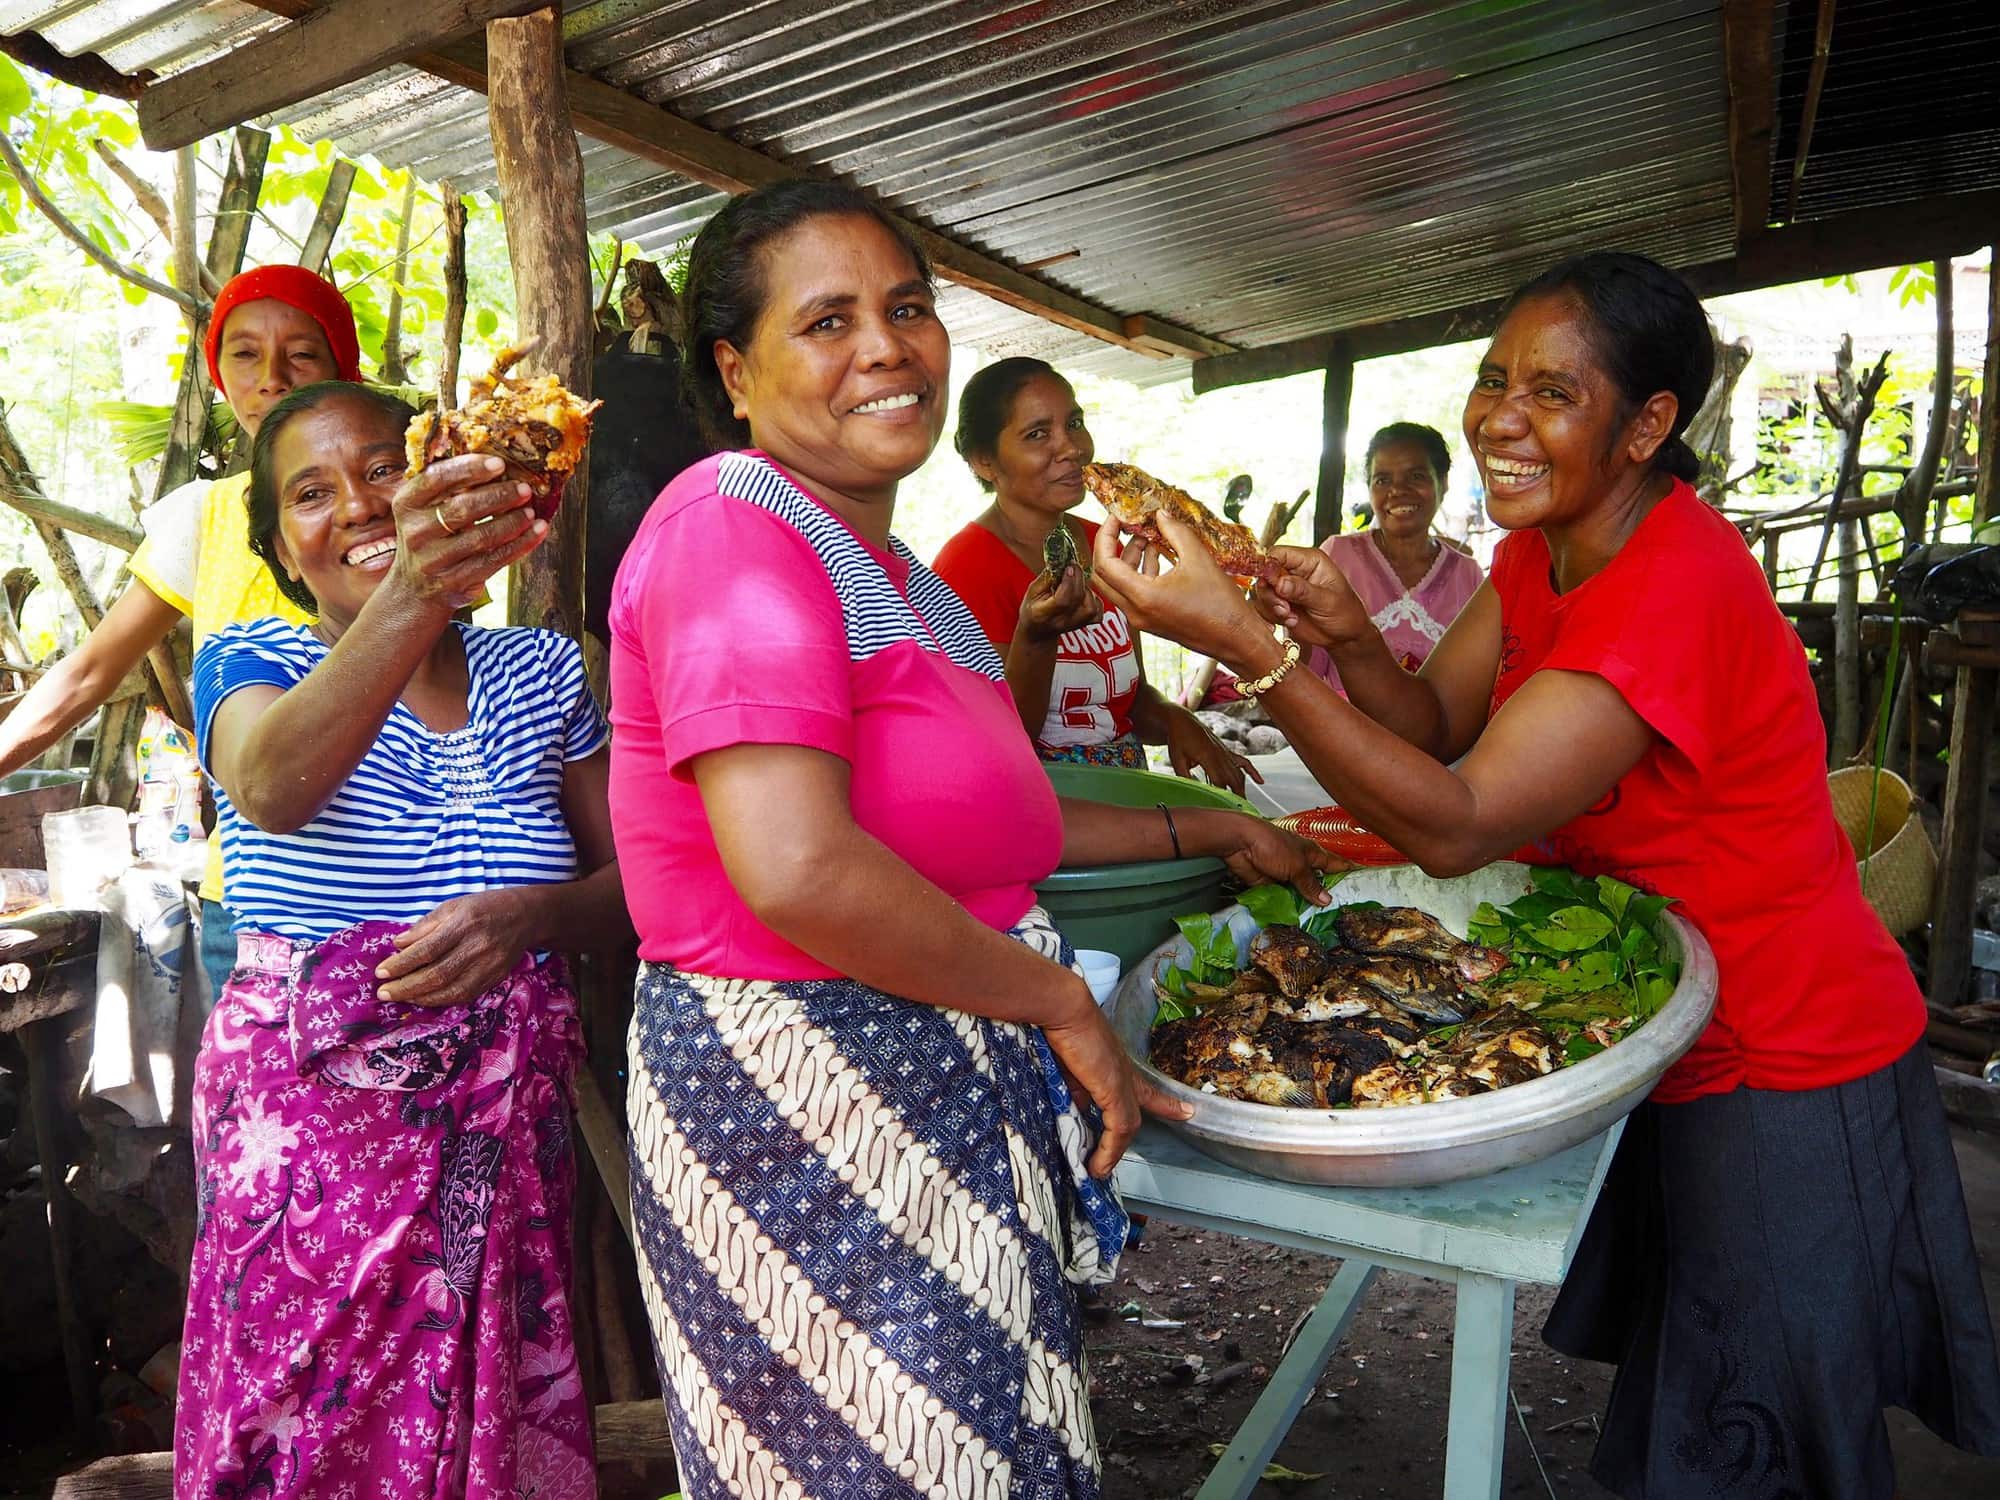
(860, 1220)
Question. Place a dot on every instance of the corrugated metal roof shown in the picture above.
(1256, 170)
(1907, 109)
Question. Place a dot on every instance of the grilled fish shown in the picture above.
(1405, 932)
(1133, 498)
(1059, 552)
(1295, 959)
(1430, 992)
(1246, 1049)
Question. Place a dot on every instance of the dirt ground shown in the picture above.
(1375, 1424)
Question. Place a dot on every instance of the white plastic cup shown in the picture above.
(85, 851)
(1100, 971)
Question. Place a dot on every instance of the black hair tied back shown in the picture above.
(1650, 332)
(724, 293)
(986, 401)
(1427, 439)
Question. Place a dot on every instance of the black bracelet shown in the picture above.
(1172, 832)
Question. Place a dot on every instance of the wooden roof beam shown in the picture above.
(326, 46)
(1747, 30)
(611, 115)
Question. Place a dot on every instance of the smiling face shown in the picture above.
(1038, 458)
(1552, 433)
(268, 349)
(1403, 488)
(845, 377)
(336, 468)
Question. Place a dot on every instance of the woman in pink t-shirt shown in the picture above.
(862, 1186)
(1411, 581)
(1073, 665)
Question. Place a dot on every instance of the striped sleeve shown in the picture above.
(253, 654)
(584, 729)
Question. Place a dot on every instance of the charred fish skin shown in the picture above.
(1405, 932)
(1331, 1056)
(1429, 991)
(1292, 957)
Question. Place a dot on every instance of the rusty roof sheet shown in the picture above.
(1256, 170)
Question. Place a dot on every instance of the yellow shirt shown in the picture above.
(197, 557)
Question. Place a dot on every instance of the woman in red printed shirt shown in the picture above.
(1073, 666)
(1781, 1249)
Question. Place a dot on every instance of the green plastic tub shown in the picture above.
(1129, 910)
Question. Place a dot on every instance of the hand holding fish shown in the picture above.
(458, 522)
(1194, 603)
(1312, 599)
(1054, 606)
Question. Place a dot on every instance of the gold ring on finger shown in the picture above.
(449, 529)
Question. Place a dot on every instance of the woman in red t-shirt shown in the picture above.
(1073, 666)
(1781, 1249)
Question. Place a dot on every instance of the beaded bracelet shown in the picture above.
(1273, 677)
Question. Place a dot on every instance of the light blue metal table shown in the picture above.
(1485, 1235)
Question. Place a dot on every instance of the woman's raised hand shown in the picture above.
(1195, 603)
(457, 524)
(1053, 606)
(1312, 599)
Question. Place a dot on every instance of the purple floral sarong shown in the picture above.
(378, 1307)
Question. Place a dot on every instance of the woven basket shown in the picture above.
(1898, 864)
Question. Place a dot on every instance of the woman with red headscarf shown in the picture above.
(272, 329)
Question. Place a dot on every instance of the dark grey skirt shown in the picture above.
(1769, 1271)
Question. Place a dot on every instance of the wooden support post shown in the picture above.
(1986, 498)
(540, 171)
(1964, 831)
(234, 212)
(1335, 400)
(1846, 740)
(394, 370)
(1922, 479)
(318, 246)
(454, 293)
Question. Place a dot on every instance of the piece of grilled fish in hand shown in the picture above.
(1405, 932)
(1133, 498)
(534, 426)
(1060, 553)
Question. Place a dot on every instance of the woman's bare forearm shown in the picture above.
(284, 765)
(83, 681)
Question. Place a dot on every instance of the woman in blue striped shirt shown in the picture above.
(414, 815)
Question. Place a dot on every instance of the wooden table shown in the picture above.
(60, 949)
(1485, 1235)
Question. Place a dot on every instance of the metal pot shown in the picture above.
(1416, 1145)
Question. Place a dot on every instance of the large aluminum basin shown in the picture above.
(1414, 1145)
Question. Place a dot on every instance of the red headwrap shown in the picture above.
(295, 286)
